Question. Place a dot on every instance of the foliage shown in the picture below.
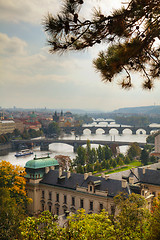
(80, 226)
(144, 157)
(134, 150)
(12, 178)
(11, 214)
(53, 129)
(130, 33)
(151, 137)
(64, 162)
(13, 199)
(132, 220)
(154, 228)
(43, 227)
(139, 121)
(89, 226)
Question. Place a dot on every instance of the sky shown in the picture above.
(31, 77)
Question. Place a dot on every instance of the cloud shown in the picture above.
(33, 11)
(11, 46)
(19, 66)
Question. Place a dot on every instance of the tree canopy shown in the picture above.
(131, 34)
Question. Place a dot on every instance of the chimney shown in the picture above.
(131, 180)
(124, 183)
(103, 175)
(144, 170)
(106, 177)
(68, 174)
(60, 171)
(90, 174)
(85, 176)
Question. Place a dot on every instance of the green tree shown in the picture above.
(152, 159)
(81, 156)
(100, 153)
(97, 166)
(25, 134)
(93, 155)
(130, 30)
(154, 227)
(132, 220)
(127, 160)
(53, 129)
(80, 226)
(11, 214)
(144, 157)
(134, 150)
(79, 169)
(43, 227)
(107, 152)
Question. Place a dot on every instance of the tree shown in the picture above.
(132, 34)
(80, 226)
(144, 157)
(132, 220)
(81, 156)
(11, 214)
(107, 152)
(64, 161)
(43, 227)
(100, 153)
(12, 178)
(134, 150)
(154, 228)
(53, 129)
(13, 199)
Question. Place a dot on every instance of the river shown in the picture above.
(63, 149)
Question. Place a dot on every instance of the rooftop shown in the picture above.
(42, 162)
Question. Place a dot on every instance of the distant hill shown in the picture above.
(139, 110)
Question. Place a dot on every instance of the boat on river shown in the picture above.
(23, 153)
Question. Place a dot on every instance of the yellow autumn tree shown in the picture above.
(12, 179)
(13, 200)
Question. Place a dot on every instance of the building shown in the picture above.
(57, 191)
(157, 144)
(7, 126)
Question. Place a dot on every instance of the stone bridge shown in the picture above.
(120, 129)
(44, 143)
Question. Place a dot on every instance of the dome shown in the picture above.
(43, 162)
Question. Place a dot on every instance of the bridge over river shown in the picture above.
(44, 143)
(134, 129)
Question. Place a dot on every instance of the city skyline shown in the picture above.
(33, 78)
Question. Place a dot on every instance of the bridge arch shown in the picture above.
(100, 131)
(87, 131)
(113, 131)
(58, 147)
(127, 131)
(141, 131)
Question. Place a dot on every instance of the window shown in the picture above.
(57, 198)
(42, 207)
(91, 205)
(101, 206)
(90, 188)
(50, 196)
(73, 201)
(57, 211)
(42, 194)
(50, 208)
(81, 203)
(65, 199)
